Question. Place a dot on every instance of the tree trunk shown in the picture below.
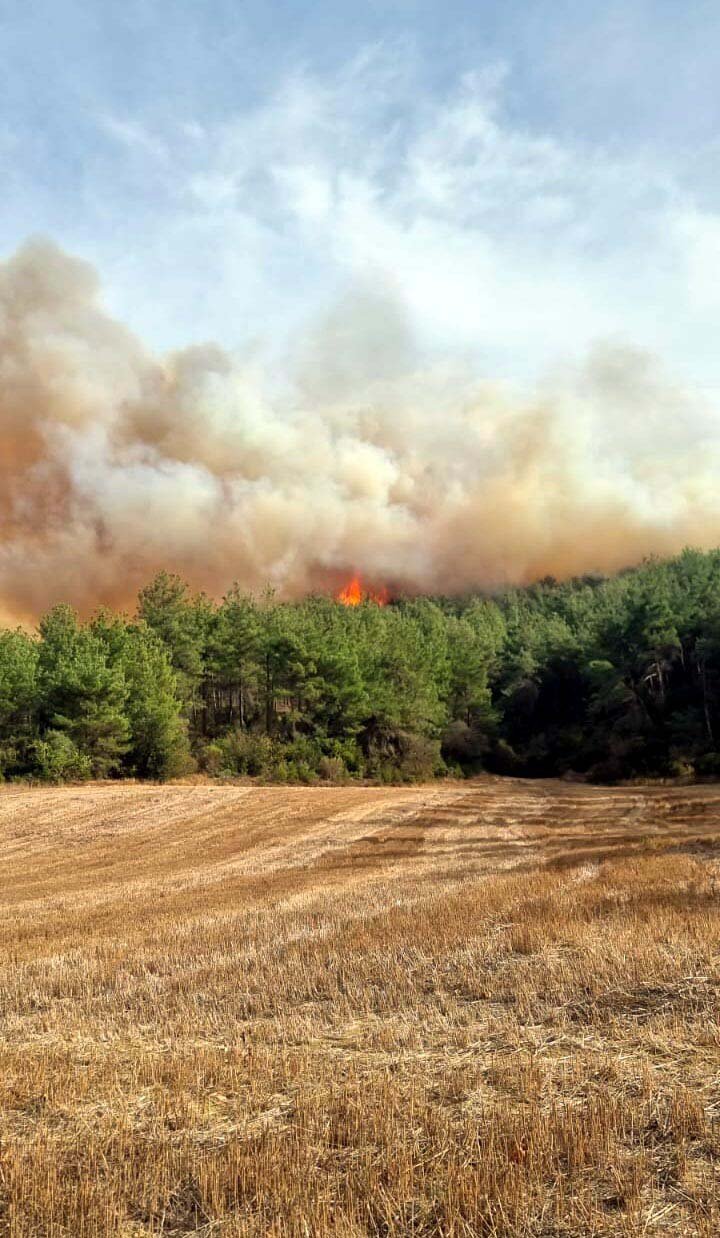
(268, 696)
(706, 704)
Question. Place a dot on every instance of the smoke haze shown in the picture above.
(356, 454)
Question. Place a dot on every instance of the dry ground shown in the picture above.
(477, 1009)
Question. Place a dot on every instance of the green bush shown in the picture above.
(243, 752)
(419, 758)
(8, 760)
(282, 772)
(210, 758)
(58, 759)
(346, 750)
(301, 771)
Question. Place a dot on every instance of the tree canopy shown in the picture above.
(602, 678)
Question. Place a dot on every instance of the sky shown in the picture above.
(524, 181)
(290, 291)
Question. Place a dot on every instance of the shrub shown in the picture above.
(57, 758)
(302, 749)
(333, 769)
(210, 758)
(282, 772)
(8, 760)
(419, 758)
(708, 766)
(464, 745)
(300, 771)
(244, 752)
(346, 750)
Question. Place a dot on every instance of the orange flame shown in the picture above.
(353, 593)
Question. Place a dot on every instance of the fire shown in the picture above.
(353, 593)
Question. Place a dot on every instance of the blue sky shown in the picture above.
(522, 180)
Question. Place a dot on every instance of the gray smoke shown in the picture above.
(116, 462)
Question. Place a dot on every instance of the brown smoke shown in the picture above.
(115, 463)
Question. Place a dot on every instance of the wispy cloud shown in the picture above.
(134, 136)
(431, 304)
(510, 243)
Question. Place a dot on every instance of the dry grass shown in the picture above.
(488, 1009)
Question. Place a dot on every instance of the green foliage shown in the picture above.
(604, 679)
(418, 758)
(82, 694)
(158, 740)
(182, 623)
(240, 752)
(58, 759)
(18, 696)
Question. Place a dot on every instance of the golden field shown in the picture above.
(489, 1008)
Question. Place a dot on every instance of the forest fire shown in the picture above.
(353, 593)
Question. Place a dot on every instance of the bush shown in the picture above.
(210, 758)
(243, 752)
(300, 760)
(304, 759)
(463, 745)
(708, 766)
(403, 756)
(299, 771)
(282, 772)
(419, 758)
(333, 769)
(9, 760)
(346, 750)
(505, 760)
(302, 749)
(57, 758)
(682, 768)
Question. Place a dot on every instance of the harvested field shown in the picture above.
(488, 1008)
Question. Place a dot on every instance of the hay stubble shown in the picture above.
(480, 1009)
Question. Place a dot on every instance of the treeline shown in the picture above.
(606, 678)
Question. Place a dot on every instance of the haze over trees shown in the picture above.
(608, 678)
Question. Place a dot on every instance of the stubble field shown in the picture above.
(488, 1008)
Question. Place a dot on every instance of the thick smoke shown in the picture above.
(115, 463)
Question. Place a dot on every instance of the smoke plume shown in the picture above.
(359, 456)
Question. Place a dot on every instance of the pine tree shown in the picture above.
(82, 696)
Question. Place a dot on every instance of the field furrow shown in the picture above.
(481, 1008)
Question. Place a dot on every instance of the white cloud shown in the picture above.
(504, 243)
